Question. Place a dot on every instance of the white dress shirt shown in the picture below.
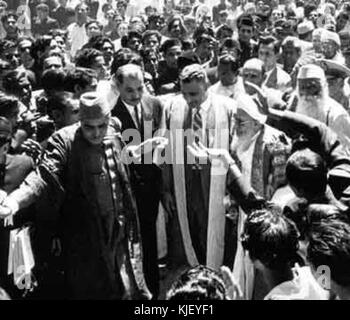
(77, 37)
(131, 110)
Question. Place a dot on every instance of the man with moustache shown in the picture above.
(315, 102)
(145, 115)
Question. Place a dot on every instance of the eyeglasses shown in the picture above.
(309, 87)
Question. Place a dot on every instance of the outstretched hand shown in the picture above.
(134, 153)
(261, 96)
(203, 154)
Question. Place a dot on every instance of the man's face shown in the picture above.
(313, 16)
(156, 24)
(310, 88)
(152, 42)
(108, 51)
(134, 44)
(62, 3)
(42, 14)
(244, 123)
(24, 88)
(13, 56)
(290, 56)
(252, 75)
(329, 49)
(93, 30)
(276, 15)
(223, 18)
(81, 13)
(24, 48)
(267, 55)
(341, 22)
(206, 48)
(11, 25)
(226, 75)
(245, 33)
(95, 130)
(121, 9)
(172, 55)
(131, 89)
(71, 114)
(53, 63)
(194, 92)
(99, 67)
(175, 30)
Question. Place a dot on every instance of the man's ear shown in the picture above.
(77, 89)
(57, 115)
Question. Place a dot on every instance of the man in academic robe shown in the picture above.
(193, 193)
(83, 172)
(145, 115)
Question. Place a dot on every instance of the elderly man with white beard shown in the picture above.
(314, 101)
(261, 153)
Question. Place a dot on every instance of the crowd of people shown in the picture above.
(183, 150)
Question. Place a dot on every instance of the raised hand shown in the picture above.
(234, 292)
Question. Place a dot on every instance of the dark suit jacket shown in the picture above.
(145, 178)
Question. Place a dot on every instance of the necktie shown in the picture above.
(138, 121)
(197, 125)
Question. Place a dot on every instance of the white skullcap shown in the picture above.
(254, 64)
(311, 71)
(247, 104)
(305, 27)
(327, 35)
(93, 106)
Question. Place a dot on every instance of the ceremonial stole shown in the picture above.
(216, 217)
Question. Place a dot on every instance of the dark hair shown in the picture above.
(199, 283)
(97, 42)
(53, 80)
(59, 101)
(329, 245)
(79, 76)
(42, 7)
(177, 18)
(89, 23)
(306, 171)
(131, 34)
(40, 45)
(8, 105)
(246, 20)
(268, 40)
(230, 61)
(9, 14)
(58, 33)
(169, 43)
(149, 33)
(154, 17)
(222, 30)
(231, 44)
(6, 45)
(203, 33)
(10, 81)
(271, 237)
(85, 58)
(123, 57)
(308, 8)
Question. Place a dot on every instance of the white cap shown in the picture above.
(327, 35)
(311, 71)
(247, 104)
(254, 64)
(305, 27)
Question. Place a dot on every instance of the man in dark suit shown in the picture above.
(43, 23)
(144, 114)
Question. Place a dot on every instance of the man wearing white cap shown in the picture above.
(330, 46)
(85, 178)
(315, 102)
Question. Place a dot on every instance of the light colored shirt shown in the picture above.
(132, 112)
(77, 37)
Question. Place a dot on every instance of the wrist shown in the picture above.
(12, 204)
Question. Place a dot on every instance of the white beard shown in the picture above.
(314, 107)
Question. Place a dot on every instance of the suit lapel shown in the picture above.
(121, 112)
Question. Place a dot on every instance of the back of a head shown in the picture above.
(329, 245)
(53, 80)
(199, 283)
(272, 238)
(306, 172)
(8, 104)
(125, 56)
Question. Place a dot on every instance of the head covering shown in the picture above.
(305, 27)
(254, 64)
(247, 104)
(5, 128)
(327, 35)
(311, 71)
(193, 71)
(333, 68)
(93, 106)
